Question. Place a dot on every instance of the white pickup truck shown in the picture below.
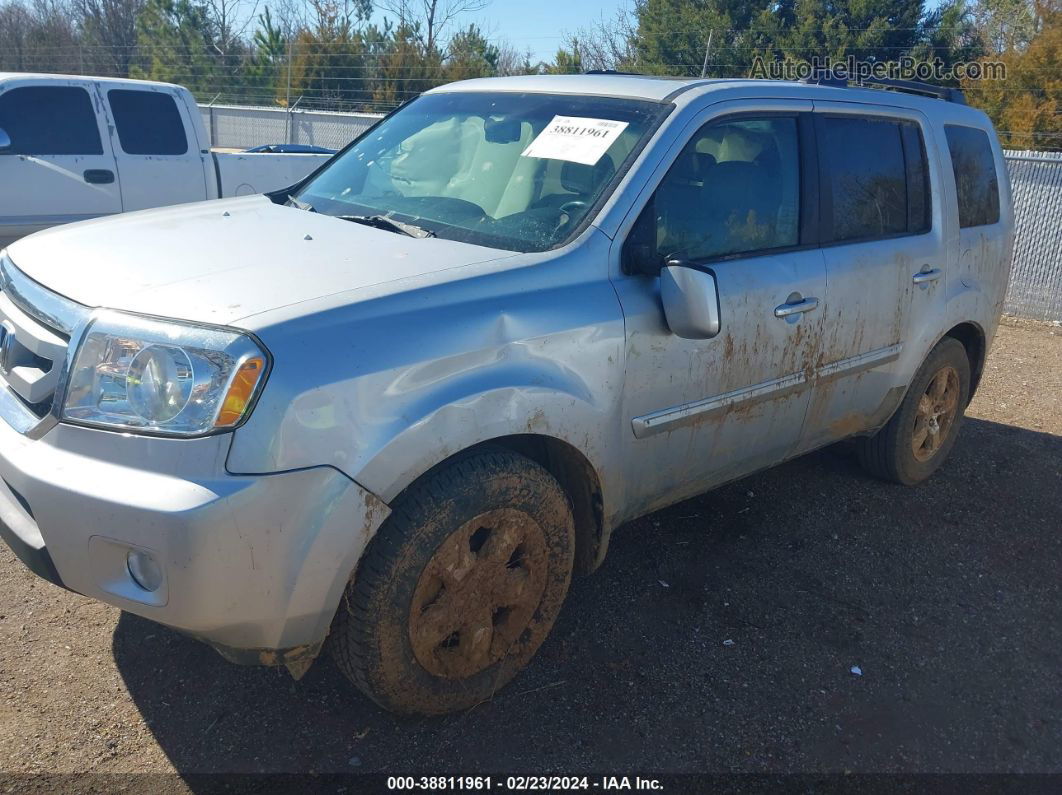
(73, 148)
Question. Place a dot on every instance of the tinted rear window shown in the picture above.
(148, 123)
(866, 177)
(919, 205)
(50, 120)
(975, 175)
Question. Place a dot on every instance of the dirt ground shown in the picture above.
(720, 636)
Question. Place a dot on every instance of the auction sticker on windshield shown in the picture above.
(575, 138)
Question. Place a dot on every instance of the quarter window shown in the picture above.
(974, 166)
(50, 120)
(148, 123)
(733, 190)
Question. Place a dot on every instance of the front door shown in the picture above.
(703, 411)
(59, 167)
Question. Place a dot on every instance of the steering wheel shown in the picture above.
(568, 208)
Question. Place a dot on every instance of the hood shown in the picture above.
(220, 261)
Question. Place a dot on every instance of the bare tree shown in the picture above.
(16, 23)
(39, 37)
(513, 62)
(608, 43)
(432, 16)
(290, 16)
(230, 20)
(108, 28)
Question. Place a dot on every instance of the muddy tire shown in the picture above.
(459, 587)
(923, 430)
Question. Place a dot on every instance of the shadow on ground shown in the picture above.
(947, 596)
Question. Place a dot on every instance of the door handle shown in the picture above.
(99, 176)
(797, 307)
(925, 277)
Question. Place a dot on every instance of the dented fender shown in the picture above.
(383, 383)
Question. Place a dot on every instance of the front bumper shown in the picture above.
(251, 564)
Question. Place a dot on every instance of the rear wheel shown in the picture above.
(460, 586)
(923, 430)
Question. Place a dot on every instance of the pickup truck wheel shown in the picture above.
(923, 430)
(459, 587)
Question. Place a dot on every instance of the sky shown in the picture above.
(539, 25)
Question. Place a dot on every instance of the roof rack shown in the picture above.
(907, 86)
(611, 72)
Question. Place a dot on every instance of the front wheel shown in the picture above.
(459, 587)
(915, 442)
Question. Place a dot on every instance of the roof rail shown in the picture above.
(907, 86)
(915, 87)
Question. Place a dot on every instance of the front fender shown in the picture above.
(459, 424)
(418, 375)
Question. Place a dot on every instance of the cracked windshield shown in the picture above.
(506, 170)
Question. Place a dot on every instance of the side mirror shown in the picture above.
(5, 142)
(691, 301)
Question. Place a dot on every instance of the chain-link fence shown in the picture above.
(1035, 289)
(244, 126)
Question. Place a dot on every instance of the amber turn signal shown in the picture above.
(241, 390)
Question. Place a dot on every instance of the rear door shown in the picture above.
(883, 235)
(158, 154)
(59, 167)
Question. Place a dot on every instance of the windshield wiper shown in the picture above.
(390, 224)
(301, 205)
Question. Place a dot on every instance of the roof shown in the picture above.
(660, 89)
(80, 78)
(611, 85)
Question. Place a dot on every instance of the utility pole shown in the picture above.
(708, 49)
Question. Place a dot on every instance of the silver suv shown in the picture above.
(395, 407)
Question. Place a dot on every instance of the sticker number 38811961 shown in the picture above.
(575, 138)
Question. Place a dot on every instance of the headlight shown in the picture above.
(140, 374)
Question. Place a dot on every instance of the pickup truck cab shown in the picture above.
(394, 407)
(73, 148)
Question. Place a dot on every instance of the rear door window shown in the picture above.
(919, 204)
(148, 122)
(50, 120)
(865, 189)
(976, 185)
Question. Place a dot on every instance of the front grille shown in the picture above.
(31, 356)
(35, 330)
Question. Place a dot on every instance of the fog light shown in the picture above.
(143, 569)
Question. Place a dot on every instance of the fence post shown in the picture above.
(287, 96)
(291, 121)
(213, 120)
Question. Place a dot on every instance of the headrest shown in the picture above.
(735, 170)
(690, 168)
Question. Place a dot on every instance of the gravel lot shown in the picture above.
(948, 597)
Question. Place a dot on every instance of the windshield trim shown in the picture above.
(666, 108)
